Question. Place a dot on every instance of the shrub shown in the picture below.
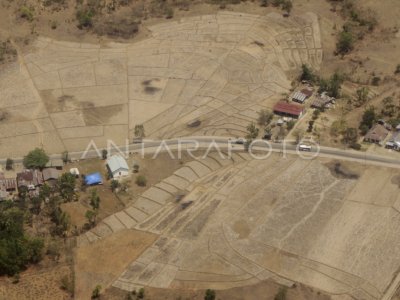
(96, 292)
(140, 294)
(26, 13)
(209, 295)
(397, 71)
(9, 164)
(355, 146)
(345, 43)
(85, 18)
(376, 80)
(141, 180)
(281, 295)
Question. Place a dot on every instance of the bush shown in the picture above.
(209, 295)
(96, 292)
(85, 18)
(356, 146)
(290, 125)
(141, 180)
(397, 71)
(26, 13)
(307, 74)
(376, 80)
(368, 119)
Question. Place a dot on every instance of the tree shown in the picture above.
(66, 186)
(287, 6)
(209, 295)
(290, 124)
(345, 43)
(65, 157)
(104, 153)
(96, 292)
(281, 295)
(350, 136)
(368, 119)
(362, 96)
(9, 164)
(141, 180)
(298, 135)
(252, 131)
(17, 250)
(264, 117)
(36, 158)
(114, 185)
(139, 131)
(310, 126)
(136, 167)
(389, 108)
(140, 294)
(94, 200)
(61, 221)
(91, 216)
(397, 71)
(306, 73)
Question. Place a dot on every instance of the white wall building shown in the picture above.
(117, 166)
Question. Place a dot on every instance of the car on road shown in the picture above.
(239, 141)
(303, 147)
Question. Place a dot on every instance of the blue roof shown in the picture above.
(93, 178)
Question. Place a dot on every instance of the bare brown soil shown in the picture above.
(265, 290)
(103, 262)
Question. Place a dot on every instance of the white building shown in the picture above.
(117, 166)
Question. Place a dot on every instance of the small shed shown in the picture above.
(55, 163)
(74, 171)
(50, 174)
(8, 184)
(117, 166)
(93, 179)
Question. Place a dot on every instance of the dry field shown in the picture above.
(219, 69)
(247, 221)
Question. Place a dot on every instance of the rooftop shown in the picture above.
(117, 162)
(288, 108)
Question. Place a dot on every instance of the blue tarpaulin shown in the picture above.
(93, 178)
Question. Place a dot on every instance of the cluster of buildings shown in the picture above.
(32, 179)
(296, 110)
(29, 180)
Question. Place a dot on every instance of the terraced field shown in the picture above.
(218, 70)
(242, 221)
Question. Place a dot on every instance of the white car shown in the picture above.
(303, 147)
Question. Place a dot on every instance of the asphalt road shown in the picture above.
(225, 144)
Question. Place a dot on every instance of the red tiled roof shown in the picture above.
(288, 108)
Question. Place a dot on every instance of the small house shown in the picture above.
(394, 141)
(93, 179)
(288, 109)
(322, 101)
(30, 179)
(117, 166)
(50, 175)
(8, 184)
(377, 134)
(302, 96)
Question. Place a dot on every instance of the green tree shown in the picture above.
(306, 73)
(36, 158)
(114, 185)
(209, 295)
(91, 216)
(66, 186)
(369, 118)
(17, 250)
(85, 18)
(141, 180)
(96, 292)
(362, 96)
(104, 153)
(281, 295)
(264, 117)
(287, 6)
(94, 200)
(65, 157)
(9, 164)
(345, 43)
(140, 294)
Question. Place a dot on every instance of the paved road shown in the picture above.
(227, 144)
